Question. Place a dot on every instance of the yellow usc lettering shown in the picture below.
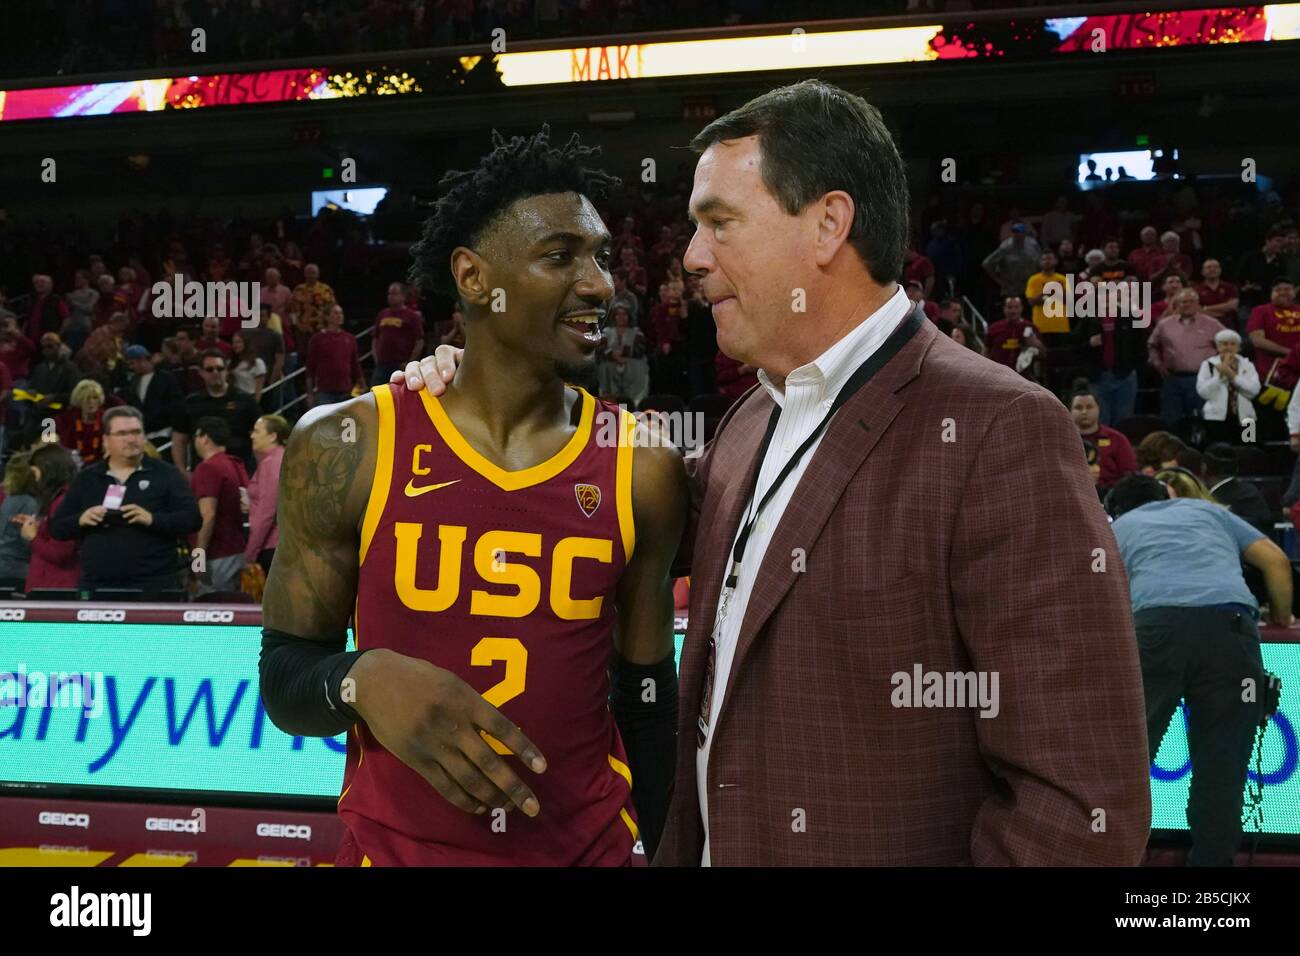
(491, 552)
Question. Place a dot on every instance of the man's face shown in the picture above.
(211, 327)
(42, 284)
(396, 295)
(1012, 308)
(1048, 262)
(1111, 249)
(914, 292)
(951, 312)
(1172, 286)
(214, 373)
(1085, 413)
(1066, 247)
(49, 349)
(124, 438)
(1148, 236)
(1170, 243)
(750, 253)
(551, 256)
(106, 284)
(311, 274)
(1273, 245)
(272, 277)
(142, 366)
(184, 344)
(261, 436)
(1188, 303)
(335, 319)
(1211, 269)
(1283, 295)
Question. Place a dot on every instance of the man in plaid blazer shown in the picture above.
(934, 661)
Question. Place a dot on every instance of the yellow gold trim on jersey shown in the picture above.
(622, 769)
(365, 860)
(512, 480)
(631, 824)
(379, 486)
(623, 484)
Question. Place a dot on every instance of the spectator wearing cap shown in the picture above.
(398, 337)
(47, 311)
(1274, 328)
(1243, 499)
(128, 541)
(1227, 383)
(1178, 346)
(153, 390)
(1014, 260)
(220, 485)
(1114, 453)
(1219, 298)
(269, 435)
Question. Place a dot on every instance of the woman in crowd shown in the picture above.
(1158, 450)
(247, 370)
(269, 434)
(963, 334)
(53, 564)
(81, 424)
(19, 502)
(1184, 484)
(1221, 379)
(623, 372)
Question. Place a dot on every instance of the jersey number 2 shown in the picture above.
(511, 650)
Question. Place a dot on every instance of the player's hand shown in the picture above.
(431, 720)
(432, 372)
(92, 516)
(134, 514)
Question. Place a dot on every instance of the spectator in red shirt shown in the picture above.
(220, 484)
(1171, 260)
(1013, 334)
(48, 310)
(398, 336)
(81, 425)
(333, 364)
(1142, 258)
(1274, 328)
(189, 360)
(53, 564)
(270, 432)
(16, 349)
(212, 338)
(733, 378)
(1114, 452)
(1218, 296)
(111, 301)
(1172, 287)
(917, 268)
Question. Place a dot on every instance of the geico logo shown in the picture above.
(171, 825)
(95, 614)
(289, 831)
(13, 614)
(208, 617)
(493, 567)
(64, 819)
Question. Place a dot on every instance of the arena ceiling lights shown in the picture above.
(1019, 39)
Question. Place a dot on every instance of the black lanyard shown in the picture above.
(897, 339)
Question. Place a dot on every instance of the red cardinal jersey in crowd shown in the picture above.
(507, 579)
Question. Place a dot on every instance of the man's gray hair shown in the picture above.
(123, 411)
(1226, 335)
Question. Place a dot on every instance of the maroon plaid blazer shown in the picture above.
(948, 521)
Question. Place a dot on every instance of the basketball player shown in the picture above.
(502, 552)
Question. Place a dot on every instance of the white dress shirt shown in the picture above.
(809, 392)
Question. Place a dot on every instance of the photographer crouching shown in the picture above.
(1198, 641)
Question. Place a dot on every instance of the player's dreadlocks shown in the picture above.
(515, 169)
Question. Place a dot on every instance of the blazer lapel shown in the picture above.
(849, 439)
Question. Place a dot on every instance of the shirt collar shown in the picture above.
(828, 372)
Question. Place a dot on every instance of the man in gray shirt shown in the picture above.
(1198, 641)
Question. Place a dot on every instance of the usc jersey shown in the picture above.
(507, 579)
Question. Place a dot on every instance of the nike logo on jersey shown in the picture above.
(414, 492)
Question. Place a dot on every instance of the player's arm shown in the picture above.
(424, 715)
(643, 686)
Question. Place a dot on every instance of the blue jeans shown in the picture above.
(1117, 396)
(1178, 399)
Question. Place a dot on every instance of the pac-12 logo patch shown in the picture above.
(588, 498)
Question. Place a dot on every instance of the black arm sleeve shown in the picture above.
(644, 701)
(302, 684)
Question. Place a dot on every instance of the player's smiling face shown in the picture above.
(550, 256)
